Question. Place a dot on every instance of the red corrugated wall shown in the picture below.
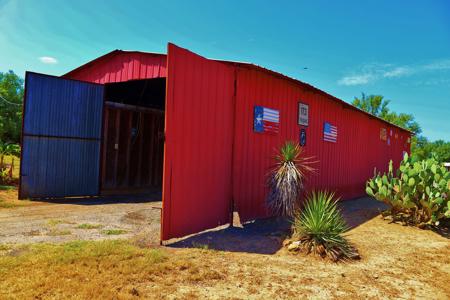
(343, 167)
(212, 152)
(198, 150)
(120, 66)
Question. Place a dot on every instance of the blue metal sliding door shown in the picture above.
(61, 137)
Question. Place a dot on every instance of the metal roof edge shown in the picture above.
(106, 56)
(307, 85)
(244, 64)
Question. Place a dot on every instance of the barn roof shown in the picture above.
(249, 65)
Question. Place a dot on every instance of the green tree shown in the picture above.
(11, 97)
(374, 104)
(421, 149)
(378, 106)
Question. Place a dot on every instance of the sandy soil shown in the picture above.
(242, 262)
(80, 219)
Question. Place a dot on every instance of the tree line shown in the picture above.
(12, 90)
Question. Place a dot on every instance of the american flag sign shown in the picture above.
(329, 133)
(266, 119)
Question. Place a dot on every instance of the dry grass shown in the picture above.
(54, 222)
(397, 262)
(8, 193)
(8, 198)
(113, 231)
(58, 232)
(89, 226)
(100, 270)
(16, 170)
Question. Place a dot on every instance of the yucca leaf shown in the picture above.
(321, 223)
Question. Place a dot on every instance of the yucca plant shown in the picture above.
(320, 227)
(286, 179)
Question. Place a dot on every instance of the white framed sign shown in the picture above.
(303, 112)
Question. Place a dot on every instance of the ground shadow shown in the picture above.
(266, 236)
(360, 210)
(443, 230)
(263, 236)
(109, 199)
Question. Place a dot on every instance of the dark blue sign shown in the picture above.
(302, 137)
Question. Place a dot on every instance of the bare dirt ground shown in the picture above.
(246, 262)
(79, 219)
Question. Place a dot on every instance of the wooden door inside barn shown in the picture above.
(133, 146)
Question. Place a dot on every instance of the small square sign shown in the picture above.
(383, 134)
(303, 112)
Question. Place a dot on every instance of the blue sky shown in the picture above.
(400, 49)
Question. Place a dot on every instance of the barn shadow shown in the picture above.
(151, 196)
(443, 230)
(265, 236)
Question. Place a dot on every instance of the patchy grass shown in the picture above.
(8, 198)
(200, 246)
(54, 222)
(118, 269)
(99, 270)
(16, 170)
(122, 269)
(89, 226)
(113, 231)
(7, 187)
(4, 247)
(4, 204)
(33, 232)
(58, 232)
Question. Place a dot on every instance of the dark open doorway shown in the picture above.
(133, 137)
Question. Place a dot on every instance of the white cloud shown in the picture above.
(373, 72)
(438, 65)
(398, 72)
(48, 60)
(356, 79)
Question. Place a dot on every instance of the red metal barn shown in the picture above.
(202, 131)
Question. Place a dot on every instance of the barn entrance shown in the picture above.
(133, 137)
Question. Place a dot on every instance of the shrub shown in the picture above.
(319, 228)
(417, 195)
(286, 179)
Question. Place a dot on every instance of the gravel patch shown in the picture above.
(82, 220)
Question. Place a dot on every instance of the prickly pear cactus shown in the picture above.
(418, 193)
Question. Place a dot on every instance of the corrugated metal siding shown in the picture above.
(122, 66)
(61, 107)
(198, 150)
(199, 120)
(59, 167)
(343, 166)
(61, 137)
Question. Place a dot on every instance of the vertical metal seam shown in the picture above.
(232, 200)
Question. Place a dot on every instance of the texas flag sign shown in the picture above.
(266, 119)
